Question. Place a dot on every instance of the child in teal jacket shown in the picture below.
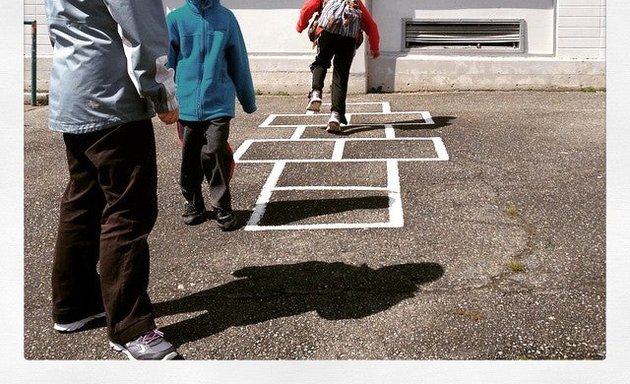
(209, 57)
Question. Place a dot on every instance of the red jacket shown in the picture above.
(367, 23)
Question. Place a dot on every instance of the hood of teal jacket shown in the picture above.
(200, 5)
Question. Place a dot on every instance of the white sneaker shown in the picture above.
(333, 123)
(315, 101)
(74, 326)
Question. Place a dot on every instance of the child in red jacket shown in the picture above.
(337, 43)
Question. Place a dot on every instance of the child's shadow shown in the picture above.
(334, 290)
(403, 125)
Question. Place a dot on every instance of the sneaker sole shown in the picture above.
(194, 220)
(75, 326)
(229, 226)
(120, 348)
(314, 106)
(333, 127)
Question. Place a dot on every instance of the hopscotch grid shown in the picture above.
(426, 116)
(412, 159)
(330, 188)
(337, 156)
(346, 139)
(298, 227)
(392, 189)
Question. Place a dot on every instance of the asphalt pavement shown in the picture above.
(450, 226)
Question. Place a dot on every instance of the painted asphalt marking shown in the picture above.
(354, 118)
(393, 192)
(339, 148)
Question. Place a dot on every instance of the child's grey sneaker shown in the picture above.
(314, 101)
(192, 214)
(226, 220)
(76, 325)
(149, 346)
(333, 122)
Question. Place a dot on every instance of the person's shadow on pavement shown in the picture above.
(334, 290)
(403, 125)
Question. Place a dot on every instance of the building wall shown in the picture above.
(565, 46)
(582, 29)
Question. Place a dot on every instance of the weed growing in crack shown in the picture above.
(516, 266)
(512, 210)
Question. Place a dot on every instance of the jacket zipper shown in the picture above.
(204, 41)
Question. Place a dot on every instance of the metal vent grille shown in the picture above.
(488, 35)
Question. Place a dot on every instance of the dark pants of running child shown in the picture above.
(340, 50)
(205, 152)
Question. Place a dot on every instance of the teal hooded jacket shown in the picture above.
(208, 54)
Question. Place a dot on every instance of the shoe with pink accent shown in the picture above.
(148, 346)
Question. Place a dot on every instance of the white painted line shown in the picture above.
(389, 131)
(396, 219)
(304, 161)
(395, 199)
(265, 193)
(298, 227)
(427, 117)
(424, 114)
(330, 188)
(421, 113)
(346, 139)
(395, 208)
(268, 121)
(340, 144)
(337, 156)
(240, 151)
(363, 103)
(440, 149)
(299, 131)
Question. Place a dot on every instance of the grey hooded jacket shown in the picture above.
(109, 63)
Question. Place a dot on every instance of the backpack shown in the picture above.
(342, 17)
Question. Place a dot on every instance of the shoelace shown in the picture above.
(152, 336)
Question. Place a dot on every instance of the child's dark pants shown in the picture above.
(205, 152)
(340, 50)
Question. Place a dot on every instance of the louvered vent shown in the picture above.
(488, 35)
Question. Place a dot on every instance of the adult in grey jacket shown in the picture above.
(108, 79)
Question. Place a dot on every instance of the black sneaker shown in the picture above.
(226, 220)
(149, 346)
(192, 214)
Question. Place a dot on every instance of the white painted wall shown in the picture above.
(581, 30)
(565, 46)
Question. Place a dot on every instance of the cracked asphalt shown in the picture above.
(501, 255)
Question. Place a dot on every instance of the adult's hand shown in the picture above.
(169, 117)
